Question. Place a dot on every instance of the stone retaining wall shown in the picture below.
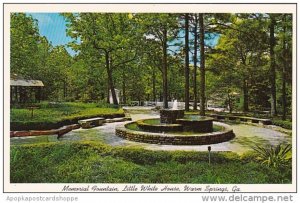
(59, 132)
(171, 139)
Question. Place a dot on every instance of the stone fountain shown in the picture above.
(175, 128)
(170, 116)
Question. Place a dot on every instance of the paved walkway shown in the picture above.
(246, 136)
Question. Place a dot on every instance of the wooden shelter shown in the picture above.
(25, 91)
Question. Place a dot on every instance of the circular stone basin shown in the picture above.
(223, 135)
(195, 123)
(154, 125)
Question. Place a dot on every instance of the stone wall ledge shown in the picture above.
(59, 132)
(174, 139)
(261, 121)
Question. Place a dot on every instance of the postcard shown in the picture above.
(150, 98)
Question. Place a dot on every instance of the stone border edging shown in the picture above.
(172, 139)
(60, 131)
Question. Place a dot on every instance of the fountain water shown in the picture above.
(175, 105)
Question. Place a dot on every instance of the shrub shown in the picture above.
(275, 157)
(249, 156)
(284, 124)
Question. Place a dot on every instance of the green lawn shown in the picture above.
(95, 162)
(56, 112)
(49, 113)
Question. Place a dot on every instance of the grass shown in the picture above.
(155, 121)
(49, 114)
(61, 111)
(133, 126)
(95, 162)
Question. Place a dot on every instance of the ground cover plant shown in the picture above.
(51, 113)
(95, 162)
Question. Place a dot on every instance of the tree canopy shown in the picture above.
(149, 57)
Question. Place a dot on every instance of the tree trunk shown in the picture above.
(272, 67)
(160, 96)
(195, 64)
(246, 96)
(123, 87)
(202, 65)
(229, 102)
(110, 79)
(187, 68)
(107, 90)
(154, 84)
(284, 67)
(164, 70)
